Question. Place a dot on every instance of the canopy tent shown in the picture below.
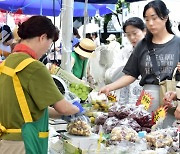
(92, 9)
(31, 7)
(52, 8)
(133, 0)
(99, 1)
(45, 7)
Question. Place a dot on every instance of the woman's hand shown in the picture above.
(105, 90)
(177, 113)
(168, 98)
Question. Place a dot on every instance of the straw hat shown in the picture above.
(85, 48)
(111, 37)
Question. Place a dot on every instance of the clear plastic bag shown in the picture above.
(159, 139)
(143, 118)
(124, 133)
(109, 124)
(79, 126)
(100, 120)
(131, 123)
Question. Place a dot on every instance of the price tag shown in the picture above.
(112, 98)
(160, 113)
(145, 99)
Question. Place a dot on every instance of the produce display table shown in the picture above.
(115, 128)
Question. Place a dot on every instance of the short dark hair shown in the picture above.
(75, 32)
(134, 21)
(36, 26)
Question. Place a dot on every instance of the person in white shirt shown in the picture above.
(96, 39)
(135, 29)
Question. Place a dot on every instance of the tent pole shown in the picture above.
(54, 45)
(85, 18)
(67, 31)
(41, 7)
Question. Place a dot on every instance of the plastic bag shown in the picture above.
(159, 139)
(79, 126)
(100, 120)
(121, 133)
(131, 123)
(143, 118)
(109, 124)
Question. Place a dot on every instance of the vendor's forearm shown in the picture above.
(121, 82)
(65, 108)
(53, 113)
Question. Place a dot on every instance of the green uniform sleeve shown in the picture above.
(43, 88)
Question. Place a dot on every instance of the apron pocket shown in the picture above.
(35, 141)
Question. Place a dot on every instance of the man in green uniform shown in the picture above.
(27, 89)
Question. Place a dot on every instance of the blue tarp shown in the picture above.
(132, 0)
(103, 9)
(99, 1)
(32, 7)
(45, 7)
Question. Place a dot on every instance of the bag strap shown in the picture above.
(151, 52)
(174, 73)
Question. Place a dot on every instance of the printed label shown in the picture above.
(160, 113)
(145, 99)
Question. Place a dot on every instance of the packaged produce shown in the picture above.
(99, 102)
(100, 120)
(131, 123)
(143, 118)
(109, 124)
(159, 139)
(112, 110)
(79, 126)
(124, 133)
(94, 97)
(124, 111)
(121, 111)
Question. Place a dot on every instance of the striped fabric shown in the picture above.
(5, 33)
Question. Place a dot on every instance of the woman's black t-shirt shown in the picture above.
(167, 56)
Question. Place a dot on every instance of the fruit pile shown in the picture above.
(80, 90)
(100, 106)
(99, 101)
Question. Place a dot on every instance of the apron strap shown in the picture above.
(20, 95)
(4, 130)
(19, 92)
